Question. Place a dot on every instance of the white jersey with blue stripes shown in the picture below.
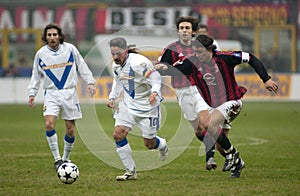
(133, 76)
(59, 68)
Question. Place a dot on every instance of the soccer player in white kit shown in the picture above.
(59, 63)
(135, 75)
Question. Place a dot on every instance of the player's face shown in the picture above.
(119, 55)
(52, 38)
(202, 31)
(185, 32)
(203, 54)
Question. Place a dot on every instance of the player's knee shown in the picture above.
(204, 120)
(119, 133)
(49, 125)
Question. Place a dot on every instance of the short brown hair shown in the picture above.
(119, 42)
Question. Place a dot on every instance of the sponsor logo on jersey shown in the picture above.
(54, 66)
(126, 77)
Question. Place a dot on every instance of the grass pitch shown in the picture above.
(266, 134)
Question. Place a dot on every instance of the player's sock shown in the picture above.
(208, 142)
(201, 136)
(52, 141)
(160, 143)
(223, 140)
(210, 152)
(124, 151)
(209, 146)
(68, 146)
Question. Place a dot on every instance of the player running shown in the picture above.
(135, 75)
(213, 72)
(189, 99)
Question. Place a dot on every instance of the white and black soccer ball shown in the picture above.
(68, 173)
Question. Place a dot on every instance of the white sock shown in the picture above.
(68, 146)
(162, 142)
(126, 157)
(52, 141)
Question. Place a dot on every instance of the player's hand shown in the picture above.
(31, 102)
(152, 98)
(271, 86)
(111, 103)
(161, 66)
(92, 89)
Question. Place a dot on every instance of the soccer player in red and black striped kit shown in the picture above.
(189, 99)
(213, 73)
(187, 26)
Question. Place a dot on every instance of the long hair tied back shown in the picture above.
(133, 49)
(205, 41)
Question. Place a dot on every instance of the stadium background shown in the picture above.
(269, 29)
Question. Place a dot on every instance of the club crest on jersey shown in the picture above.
(209, 79)
(143, 64)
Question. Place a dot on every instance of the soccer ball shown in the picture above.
(68, 173)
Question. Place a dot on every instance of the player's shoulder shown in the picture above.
(138, 62)
(228, 53)
(133, 57)
(68, 45)
(44, 50)
(172, 45)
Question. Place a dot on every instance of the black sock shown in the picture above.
(200, 137)
(209, 146)
(223, 140)
(210, 152)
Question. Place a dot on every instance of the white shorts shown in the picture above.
(191, 102)
(149, 125)
(64, 100)
(230, 111)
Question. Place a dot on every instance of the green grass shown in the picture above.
(272, 168)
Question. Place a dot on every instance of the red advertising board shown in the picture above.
(82, 22)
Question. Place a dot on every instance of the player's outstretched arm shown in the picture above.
(161, 66)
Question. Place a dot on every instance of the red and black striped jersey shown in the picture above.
(176, 53)
(216, 80)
